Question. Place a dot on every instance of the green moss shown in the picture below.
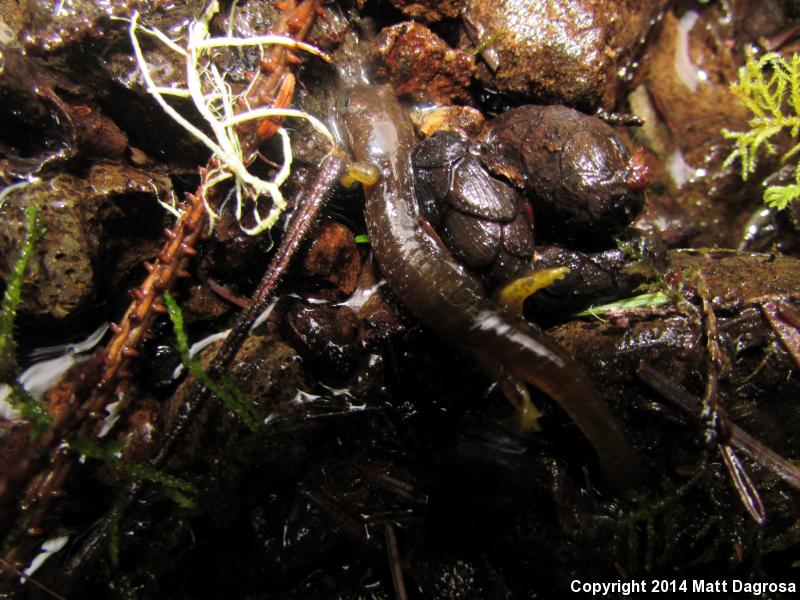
(13, 295)
(225, 390)
(649, 530)
(19, 397)
(112, 454)
(769, 87)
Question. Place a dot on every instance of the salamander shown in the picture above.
(450, 301)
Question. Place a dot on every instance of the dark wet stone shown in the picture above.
(88, 55)
(737, 279)
(202, 304)
(578, 53)
(422, 66)
(325, 335)
(688, 76)
(15, 438)
(50, 26)
(756, 383)
(49, 119)
(575, 169)
(268, 373)
(373, 305)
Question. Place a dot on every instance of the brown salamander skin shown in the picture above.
(451, 302)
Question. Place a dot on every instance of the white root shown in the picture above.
(215, 101)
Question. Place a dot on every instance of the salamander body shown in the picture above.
(450, 301)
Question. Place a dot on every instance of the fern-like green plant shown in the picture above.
(230, 395)
(769, 87)
(18, 397)
(13, 296)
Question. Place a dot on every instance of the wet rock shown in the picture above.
(248, 20)
(583, 178)
(446, 577)
(13, 16)
(15, 438)
(673, 345)
(325, 335)
(268, 371)
(429, 11)
(422, 66)
(686, 98)
(82, 253)
(736, 279)
(770, 230)
(672, 338)
(234, 254)
(83, 54)
(97, 135)
(47, 122)
(333, 257)
(121, 90)
(50, 26)
(577, 53)
(770, 20)
(155, 370)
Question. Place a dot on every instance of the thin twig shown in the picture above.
(307, 211)
(737, 437)
(394, 563)
(785, 321)
(33, 580)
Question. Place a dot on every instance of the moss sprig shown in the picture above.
(769, 87)
(18, 397)
(111, 454)
(225, 390)
(13, 296)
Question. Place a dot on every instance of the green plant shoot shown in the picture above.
(225, 390)
(770, 89)
(18, 397)
(13, 295)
